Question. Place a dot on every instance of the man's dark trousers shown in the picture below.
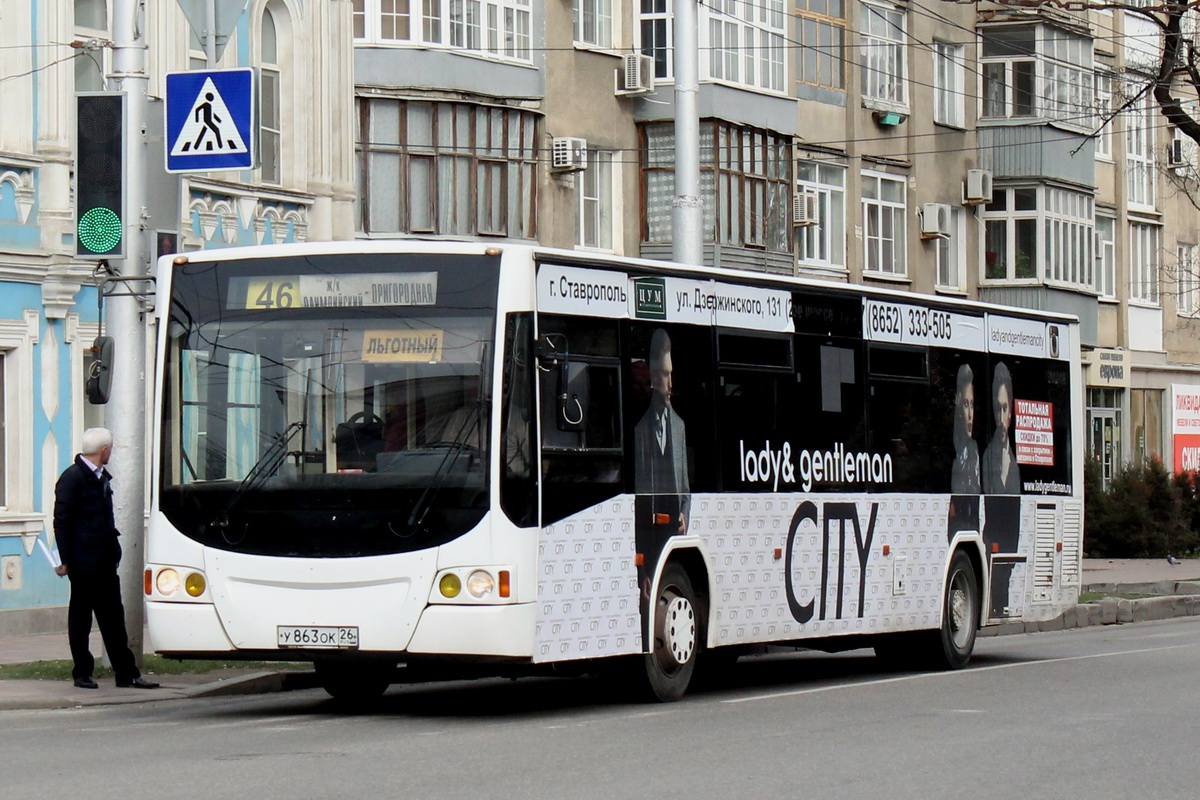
(98, 592)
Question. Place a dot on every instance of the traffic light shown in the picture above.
(100, 175)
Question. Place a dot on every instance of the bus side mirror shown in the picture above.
(99, 381)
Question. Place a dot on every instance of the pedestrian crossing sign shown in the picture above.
(210, 120)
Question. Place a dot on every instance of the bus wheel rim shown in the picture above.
(959, 609)
(677, 631)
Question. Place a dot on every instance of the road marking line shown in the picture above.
(920, 675)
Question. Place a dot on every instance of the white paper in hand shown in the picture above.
(51, 555)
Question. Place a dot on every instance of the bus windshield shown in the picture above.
(328, 406)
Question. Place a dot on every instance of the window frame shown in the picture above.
(736, 162)
(494, 29)
(597, 199)
(1143, 252)
(827, 235)
(810, 25)
(604, 23)
(1141, 167)
(1187, 281)
(884, 49)
(444, 154)
(898, 211)
(743, 44)
(949, 101)
(1060, 89)
(1064, 242)
(1106, 257)
(949, 255)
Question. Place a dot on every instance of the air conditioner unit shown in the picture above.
(1175, 154)
(935, 221)
(978, 187)
(568, 154)
(804, 209)
(636, 75)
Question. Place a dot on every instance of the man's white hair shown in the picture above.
(94, 440)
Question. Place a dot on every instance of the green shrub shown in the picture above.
(1145, 513)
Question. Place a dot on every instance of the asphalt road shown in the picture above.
(1105, 712)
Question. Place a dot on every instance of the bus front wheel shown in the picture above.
(960, 615)
(677, 636)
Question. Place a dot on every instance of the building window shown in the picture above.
(1106, 256)
(1186, 265)
(823, 246)
(883, 207)
(1037, 70)
(745, 43)
(948, 84)
(885, 66)
(822, 25)
(593, 22)
(1064, 252)
(745, 177)
(948, 254)
(1104, 124)
(450, 169)
(496, 28)
(1141, 173)
(594, 187)
(656, 22)
(91, 22)
(1068, 225)
(1143, 262)
(269, 138)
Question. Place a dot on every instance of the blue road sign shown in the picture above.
(210, 120)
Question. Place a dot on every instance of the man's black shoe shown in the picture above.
(137, 683)
(86, 683)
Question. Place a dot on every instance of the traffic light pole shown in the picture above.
(126, 412)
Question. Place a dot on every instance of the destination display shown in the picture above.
(358, 290)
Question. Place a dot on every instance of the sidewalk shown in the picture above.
(1177, 587)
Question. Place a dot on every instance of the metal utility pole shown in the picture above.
(687, 213)
(126, 412)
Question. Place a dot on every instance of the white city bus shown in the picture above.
(507, 459)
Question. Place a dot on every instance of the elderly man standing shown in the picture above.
(87, 543)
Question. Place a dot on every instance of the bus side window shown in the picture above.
(518, 478)
(580, 394)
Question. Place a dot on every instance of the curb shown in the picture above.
(1174, 599)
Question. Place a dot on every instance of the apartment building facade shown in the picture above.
(970, 151)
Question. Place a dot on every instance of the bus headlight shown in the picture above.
(450, 585)
(194, 584)
(480, 584)
(167, 582)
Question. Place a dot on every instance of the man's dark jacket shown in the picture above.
(83, 520)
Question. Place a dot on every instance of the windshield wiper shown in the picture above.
(264, 468)
(444, 468)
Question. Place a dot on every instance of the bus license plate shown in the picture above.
(327, 637)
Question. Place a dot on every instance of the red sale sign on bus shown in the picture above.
(1034, 432)
(1185, 426)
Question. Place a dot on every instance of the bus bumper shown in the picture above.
(476, 631)
(186, 627)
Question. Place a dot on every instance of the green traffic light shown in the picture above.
(99, 229)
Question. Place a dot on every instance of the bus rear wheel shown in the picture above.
(354, 683)
(677, 637)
